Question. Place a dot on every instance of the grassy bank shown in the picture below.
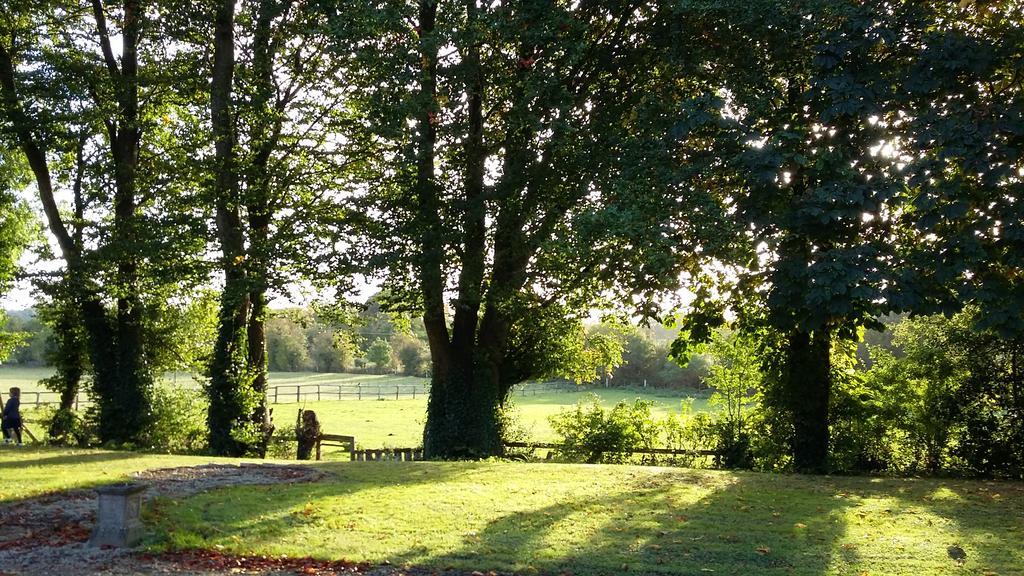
(613, 519)
(589, 520)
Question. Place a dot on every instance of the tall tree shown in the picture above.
(94, 120)
(509, 135)
(804, 99)
(274, 106)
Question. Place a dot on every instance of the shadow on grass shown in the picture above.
(270, 512)
(667, 522)
(991, 541)
(645, 528)
(90, 457)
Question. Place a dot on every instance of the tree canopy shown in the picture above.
(506, 171)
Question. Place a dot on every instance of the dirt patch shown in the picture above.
(48, 534)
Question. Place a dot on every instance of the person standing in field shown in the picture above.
(12, 417)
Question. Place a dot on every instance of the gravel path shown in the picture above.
(47, 535)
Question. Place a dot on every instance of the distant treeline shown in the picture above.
(301, 340)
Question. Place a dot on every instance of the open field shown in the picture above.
(398, 423)
(28, 378)
(592, 520)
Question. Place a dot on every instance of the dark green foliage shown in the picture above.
(843, 137)
(178, 424)
(950, 402)
(591, 434)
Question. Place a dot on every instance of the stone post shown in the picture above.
(117, 522)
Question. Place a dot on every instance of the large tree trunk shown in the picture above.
(229, 375)
(268, 121)
(465, 397)
(808, 384)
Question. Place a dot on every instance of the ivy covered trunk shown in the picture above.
(808, 384)
(229, 386)
(229, 377)
(256, 337)
(462, 412)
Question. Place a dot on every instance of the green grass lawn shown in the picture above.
(612, 519)
(589, 520)
(28, 471)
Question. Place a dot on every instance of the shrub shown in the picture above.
(178, 421)
(282, 445)
(688, 431)
(591, 434)
(67, 427)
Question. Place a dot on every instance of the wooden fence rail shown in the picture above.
(359, 391)
(317, 392)
(667, 451)
(35, 398)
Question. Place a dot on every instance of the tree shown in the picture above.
(962, 144)
(521, 169)
(789, 132)
(412, 355)
(379, 354)
(286, 345)
(125, 244)
(15, 221)
(274, 109)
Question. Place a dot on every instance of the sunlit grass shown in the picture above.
(399, 423)
(612, 519)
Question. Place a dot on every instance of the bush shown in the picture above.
(178, 423)
(66, 427)
(283, 444)
(591, 434)
(688, 431)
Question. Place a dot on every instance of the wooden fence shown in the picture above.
(359, 391)
(316, 392)
(650, 451)
(46, 398)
